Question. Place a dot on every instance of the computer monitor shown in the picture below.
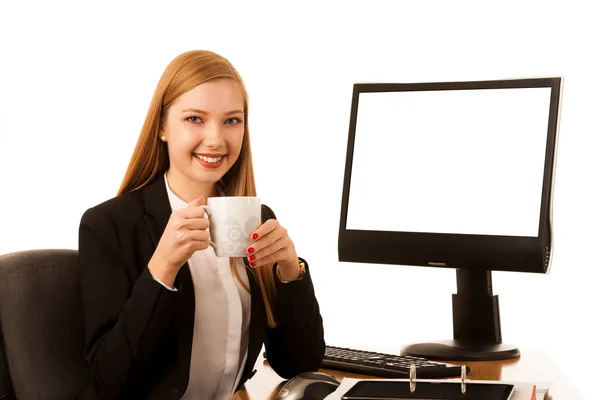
(453, 175)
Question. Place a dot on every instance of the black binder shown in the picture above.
(428, 390)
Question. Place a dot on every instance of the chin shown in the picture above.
(206, 177)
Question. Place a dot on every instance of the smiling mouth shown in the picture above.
(210, 160)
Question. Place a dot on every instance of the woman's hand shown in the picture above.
(273, 245)
(186, 232)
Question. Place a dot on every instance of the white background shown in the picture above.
(76, 80)
(450, 161)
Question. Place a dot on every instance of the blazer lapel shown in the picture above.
(158, 212)
(258, 322)
(258, 314)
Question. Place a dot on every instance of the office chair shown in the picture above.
(41, 326)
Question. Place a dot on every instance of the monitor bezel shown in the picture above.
(482, 252)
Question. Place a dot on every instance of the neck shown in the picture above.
(188, 190)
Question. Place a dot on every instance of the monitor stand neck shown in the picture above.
(476, 320)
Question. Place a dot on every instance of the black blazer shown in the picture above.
(139, 334)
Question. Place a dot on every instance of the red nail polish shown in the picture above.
(254, 236)
(253, 264)
(250, 249)
(252, 257)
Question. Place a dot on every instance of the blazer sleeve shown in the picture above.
(125, 316)
(297, 343)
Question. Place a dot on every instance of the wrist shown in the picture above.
(163, 273)
(288, 272)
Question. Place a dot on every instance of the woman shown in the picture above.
(163, 318)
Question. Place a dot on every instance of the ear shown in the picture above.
(162, 135)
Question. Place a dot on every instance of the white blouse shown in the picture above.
(221, 322)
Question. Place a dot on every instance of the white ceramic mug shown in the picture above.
(232, 221)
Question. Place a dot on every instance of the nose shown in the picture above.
(213, 135)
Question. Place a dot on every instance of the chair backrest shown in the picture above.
(41, 326)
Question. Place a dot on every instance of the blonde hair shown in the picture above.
(150, 157)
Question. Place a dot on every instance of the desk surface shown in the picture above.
(531, 367)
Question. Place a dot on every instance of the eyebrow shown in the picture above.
(196, 110)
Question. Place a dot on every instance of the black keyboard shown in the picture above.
(385, 365)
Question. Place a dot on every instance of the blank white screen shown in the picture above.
(450, 161)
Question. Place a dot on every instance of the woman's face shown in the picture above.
(204, 129)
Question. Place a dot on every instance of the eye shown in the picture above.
(233, 121)
(194, 120)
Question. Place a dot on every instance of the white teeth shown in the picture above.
(211, 160)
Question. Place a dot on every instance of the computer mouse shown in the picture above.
(308, 386)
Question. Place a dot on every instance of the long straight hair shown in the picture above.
(150, 157)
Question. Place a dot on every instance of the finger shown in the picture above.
(192, 212)
(195, 245)
(270, 259)
(265, 255)
(194, 224)
(198, 201)
(264, 229)
(186, 236)
(267, 239)
(199, 236)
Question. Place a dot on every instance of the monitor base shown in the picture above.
(454, 350)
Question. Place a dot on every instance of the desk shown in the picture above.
(531, 367)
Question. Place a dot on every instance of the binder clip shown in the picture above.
(463, 378)
(413, 378)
